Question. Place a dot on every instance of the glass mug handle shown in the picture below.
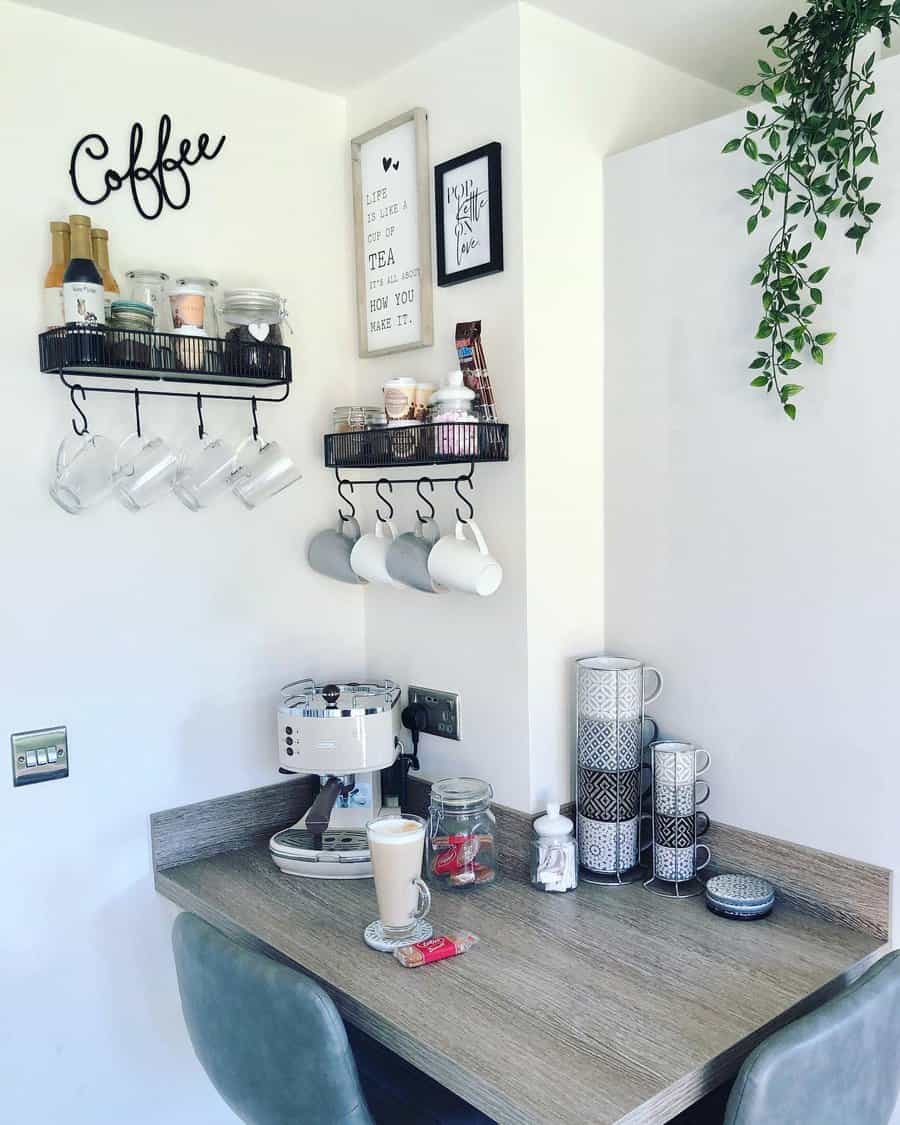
(700, 866)
(648, 668)
(424, 904)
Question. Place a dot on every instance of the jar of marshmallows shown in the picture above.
(452, 411)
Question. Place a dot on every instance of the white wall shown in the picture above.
(582, 98)
(160, 639)
(558, 99)
(470, 87)
(753, 559)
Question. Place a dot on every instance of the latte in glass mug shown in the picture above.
(396, 844)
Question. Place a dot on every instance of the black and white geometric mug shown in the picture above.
(679, 831)
(614, 795)
(614, 687)
(678, 763)
(613, 744)
(678, 865)
(679, 800)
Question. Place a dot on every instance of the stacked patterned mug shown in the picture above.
(611, 694)
(677, 825)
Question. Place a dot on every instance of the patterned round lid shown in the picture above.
(736, 890)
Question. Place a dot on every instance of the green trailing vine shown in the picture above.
(813, 146)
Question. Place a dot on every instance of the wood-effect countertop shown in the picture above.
(598, 1006)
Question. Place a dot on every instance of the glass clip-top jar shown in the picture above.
(554, 861)
(462, 833)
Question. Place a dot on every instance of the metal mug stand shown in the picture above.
(635, 873)
(674, 888)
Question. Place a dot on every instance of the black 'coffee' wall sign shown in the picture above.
(163, 182)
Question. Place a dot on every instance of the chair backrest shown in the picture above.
(839, 1065)
(270, 1039)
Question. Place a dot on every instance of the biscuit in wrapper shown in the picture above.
(434, 949)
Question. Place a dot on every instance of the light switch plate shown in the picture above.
(442, 708)
(39, 755)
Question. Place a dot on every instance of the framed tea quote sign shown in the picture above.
(393, 235)
(468, 200)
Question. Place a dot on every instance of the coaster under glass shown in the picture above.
(374, 937)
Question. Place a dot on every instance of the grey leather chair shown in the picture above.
(274, 1046)
(838, 1065)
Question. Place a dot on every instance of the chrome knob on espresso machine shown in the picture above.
(345, 733)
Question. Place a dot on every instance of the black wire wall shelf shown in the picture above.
(116, 355)
(436, 443)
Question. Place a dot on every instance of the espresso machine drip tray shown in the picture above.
(340, 853)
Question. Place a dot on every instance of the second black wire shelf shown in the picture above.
(435, 443)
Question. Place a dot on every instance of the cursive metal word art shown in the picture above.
(164, 182)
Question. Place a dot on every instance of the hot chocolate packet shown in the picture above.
(473, 365)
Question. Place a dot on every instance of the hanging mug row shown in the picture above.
(421, 559)
(143, 469)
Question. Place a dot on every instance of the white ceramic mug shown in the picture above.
(85, 468)
(459, 564)
(145, 471)
(369, 555)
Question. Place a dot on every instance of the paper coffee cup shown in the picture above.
(400, 399)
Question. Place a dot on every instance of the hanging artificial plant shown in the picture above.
(813, 145)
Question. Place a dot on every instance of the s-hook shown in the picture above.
(384, 500)
(201, 429)
(424, 499)
(456, 484)
(137, 411)
(79, 411)
(256, 420)
(347, 500)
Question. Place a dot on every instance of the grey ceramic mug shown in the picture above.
(407, 557)
(329, 552)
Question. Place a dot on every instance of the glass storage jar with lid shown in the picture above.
(452, 413)
(210, 290)
(252, 323)
(149, 287)
(254, 315)
(125, 319)
(462, 833)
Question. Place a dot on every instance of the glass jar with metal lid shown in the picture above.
(351, 419)
(254, 314)
(462, 833)
(131, 315)
(126, 318)
(252, 323)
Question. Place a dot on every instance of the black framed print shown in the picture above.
(469, 215)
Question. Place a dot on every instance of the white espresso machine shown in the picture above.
(346, 734)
